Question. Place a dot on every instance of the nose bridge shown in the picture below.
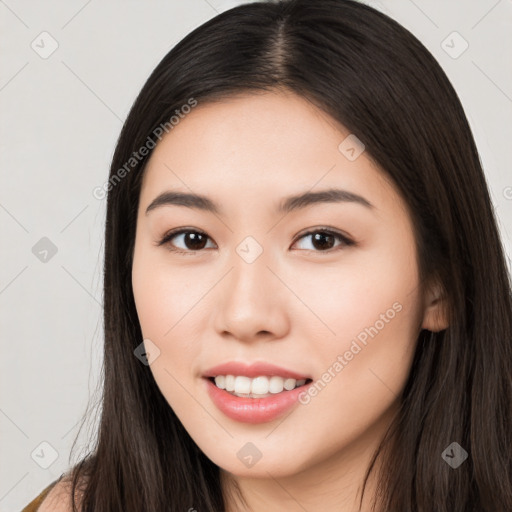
(251, 277)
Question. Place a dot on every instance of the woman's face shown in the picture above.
(247, 284)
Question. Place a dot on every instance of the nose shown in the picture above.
(252, 302)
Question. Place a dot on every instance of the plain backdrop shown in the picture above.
(69, 73)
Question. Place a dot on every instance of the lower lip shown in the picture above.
(253, 410)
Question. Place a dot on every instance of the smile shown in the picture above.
(258, 392)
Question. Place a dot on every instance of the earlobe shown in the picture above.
(435, 315)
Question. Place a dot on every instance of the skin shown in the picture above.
(298, 305)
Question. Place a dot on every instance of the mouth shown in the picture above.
(273, 396)
(257, 392)
(261, 386)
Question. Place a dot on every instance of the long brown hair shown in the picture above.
(375, 78)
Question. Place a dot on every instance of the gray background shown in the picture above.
(61, 115)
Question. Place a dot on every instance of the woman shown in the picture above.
(307, 305)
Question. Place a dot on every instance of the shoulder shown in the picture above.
(59, 498)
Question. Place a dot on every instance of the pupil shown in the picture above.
(191, 238)
(322, 236)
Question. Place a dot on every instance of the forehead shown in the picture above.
(265, 145)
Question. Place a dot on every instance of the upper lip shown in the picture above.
(253, 370)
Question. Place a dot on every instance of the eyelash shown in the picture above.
(346, 242)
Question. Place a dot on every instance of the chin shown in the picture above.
(278, 465)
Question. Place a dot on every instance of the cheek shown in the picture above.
(370, 291)
(162, 306)
(369, 309)
(361, 371)
(164, 299)
(163, 293)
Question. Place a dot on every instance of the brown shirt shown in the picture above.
(36, 502)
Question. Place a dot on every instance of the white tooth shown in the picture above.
(289, 384)
(260, 385)
(276, 384)
(230, 383)
(220, 381)
(242, 384)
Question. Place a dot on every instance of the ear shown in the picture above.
(435, 313)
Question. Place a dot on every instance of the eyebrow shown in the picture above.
(288, 204)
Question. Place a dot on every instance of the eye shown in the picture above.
(324, 238)
(193, 240)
